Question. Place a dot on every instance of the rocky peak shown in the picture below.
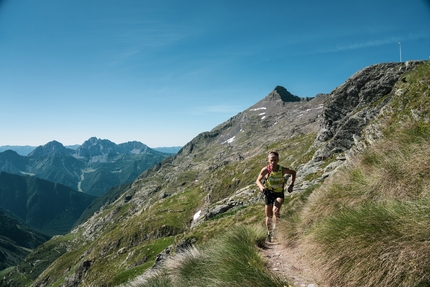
(96, 147)
(282, 93)
(50, 148)
(133, 147)
(9, 153)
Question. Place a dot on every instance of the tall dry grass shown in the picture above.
(370, 224)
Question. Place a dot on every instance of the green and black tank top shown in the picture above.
(275, 180)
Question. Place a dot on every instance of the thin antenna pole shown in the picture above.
(400, 49)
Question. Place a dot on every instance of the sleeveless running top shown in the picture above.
(275, 180)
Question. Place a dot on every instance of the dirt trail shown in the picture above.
(287, 264)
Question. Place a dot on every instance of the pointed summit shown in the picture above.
(96, 147)
(133, 147)
(50, 148)
(281, 93)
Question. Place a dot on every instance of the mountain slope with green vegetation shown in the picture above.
(197, 218)
(45, 206)
(16, 240)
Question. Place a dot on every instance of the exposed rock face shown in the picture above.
(75, 279)
(283, 94)
(351, 106)
(347, 124)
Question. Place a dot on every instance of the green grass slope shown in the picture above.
(229, 260)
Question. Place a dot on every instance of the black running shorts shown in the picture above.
(271, 196)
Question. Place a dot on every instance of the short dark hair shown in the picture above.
(273, 153)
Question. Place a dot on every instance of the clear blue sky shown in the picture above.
(163, 71)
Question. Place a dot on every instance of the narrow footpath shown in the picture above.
(287, 264)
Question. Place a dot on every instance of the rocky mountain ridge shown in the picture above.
(25, 150)
(179, 201)
(356, 103)
(348, 124)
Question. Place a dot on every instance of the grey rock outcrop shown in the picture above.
(353, 105)
(348, 123)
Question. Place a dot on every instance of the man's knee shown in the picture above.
(276, 211)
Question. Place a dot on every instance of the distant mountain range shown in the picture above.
(25, 150)
(94, 167)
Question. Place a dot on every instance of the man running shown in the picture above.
(273, 189)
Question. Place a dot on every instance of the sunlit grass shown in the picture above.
(231, 259)
(377, 244)
(369, 224)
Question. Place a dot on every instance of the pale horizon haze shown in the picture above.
(161, 72)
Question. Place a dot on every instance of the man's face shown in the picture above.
(273, 160)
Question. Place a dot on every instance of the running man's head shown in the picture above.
(273, 157)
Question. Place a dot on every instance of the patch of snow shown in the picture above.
(320, 106)
(77, 156)
(263, 117)
(261, 114)
(197, 215)
(300, 115)
(27, 173)
(135, 151)
(257, 109)
(308, 110)
(230, 140)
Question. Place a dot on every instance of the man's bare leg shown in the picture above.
(269, 221)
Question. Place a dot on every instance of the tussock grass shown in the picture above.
(155, 279)
(368, 226)
(377, 244)
(289, 225)
(231, 259)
